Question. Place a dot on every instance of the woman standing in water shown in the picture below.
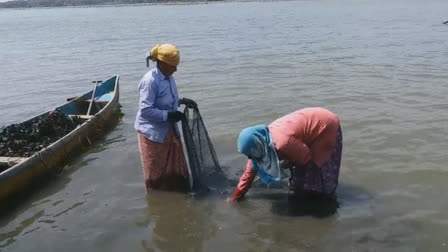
(308, 141)
(163, 160)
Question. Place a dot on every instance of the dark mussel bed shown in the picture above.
(24, 139)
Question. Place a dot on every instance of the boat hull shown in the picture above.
(19, 177)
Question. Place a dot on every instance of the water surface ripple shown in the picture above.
(382, 66)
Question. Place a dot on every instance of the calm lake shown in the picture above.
(382, 66)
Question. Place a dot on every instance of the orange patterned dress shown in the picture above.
(164, 164)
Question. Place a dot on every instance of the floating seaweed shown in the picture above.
(24, 139)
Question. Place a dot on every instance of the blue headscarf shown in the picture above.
(256, 142)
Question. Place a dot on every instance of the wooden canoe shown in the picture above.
(18, 173)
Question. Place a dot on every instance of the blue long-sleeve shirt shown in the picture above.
(158, 96)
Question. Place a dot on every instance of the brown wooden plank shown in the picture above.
(10, 161)
(86, 117)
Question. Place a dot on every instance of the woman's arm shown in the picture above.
(295, 151)
(148, 95)
(245, 182)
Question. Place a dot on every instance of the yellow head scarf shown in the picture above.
(165, 52)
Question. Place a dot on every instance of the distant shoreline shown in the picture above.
(93, 3)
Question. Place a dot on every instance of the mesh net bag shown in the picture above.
(201, 154)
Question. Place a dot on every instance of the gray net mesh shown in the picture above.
(201, 154)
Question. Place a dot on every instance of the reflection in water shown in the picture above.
(319, 207)
(275, 225)
(47, 221)
(43, 188)
(37, 196)
(32, 230)
(177, 222)
(9, 237)
(284, 204)
(353, 196)
(70, 208)
(277, 221)
(40, 203)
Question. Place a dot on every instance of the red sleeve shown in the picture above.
(295, 151)
(245, 182)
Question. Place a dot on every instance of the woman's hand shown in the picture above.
(188, 102)
(175, 116)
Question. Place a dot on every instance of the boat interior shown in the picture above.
(76, 106)
(79, 106)
(6, 162)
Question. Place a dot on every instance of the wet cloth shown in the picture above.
(164, 164)
(324, 180)
(165, 52)
(305, 137)
(158, 96)
(256, 142)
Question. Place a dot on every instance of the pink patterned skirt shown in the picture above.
(164, 164)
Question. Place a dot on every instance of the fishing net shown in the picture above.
(201, 154)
